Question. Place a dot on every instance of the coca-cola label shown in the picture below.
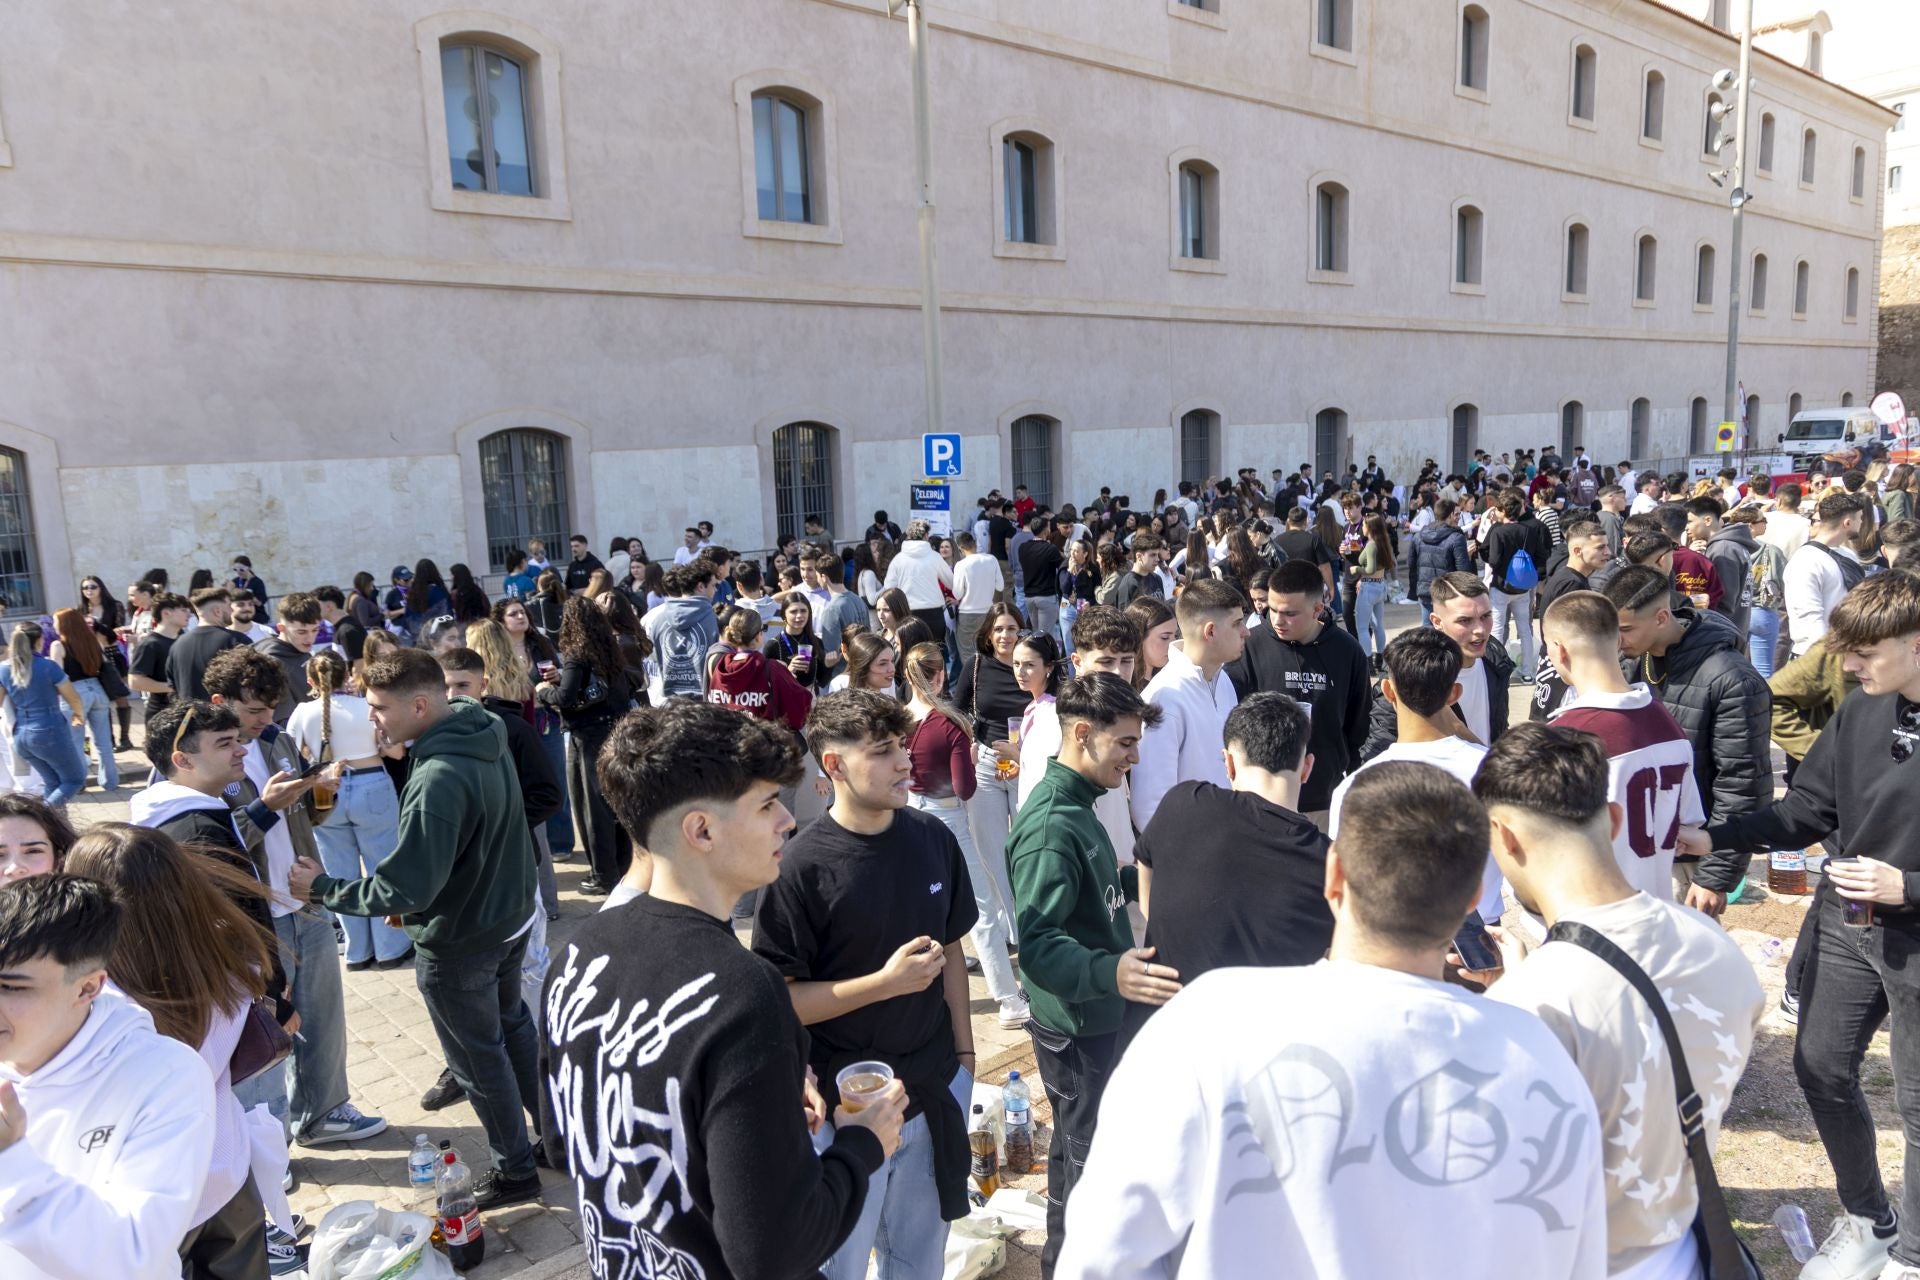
(461, 1228)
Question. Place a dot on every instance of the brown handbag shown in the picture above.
(263, 1043)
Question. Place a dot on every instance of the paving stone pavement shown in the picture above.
(393, 1056)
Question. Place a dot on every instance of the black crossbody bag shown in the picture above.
(1722, 1255)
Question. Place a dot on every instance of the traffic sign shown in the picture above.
(940, 450)
(1723, 438)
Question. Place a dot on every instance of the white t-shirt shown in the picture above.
(277, 842)
(1387, 1125)
(1716, 1005)
(621, 894)
(1641, 504)
(1474, 706)
(1786, 530)
(353, 733)
(1459, 758)
(1649, 775)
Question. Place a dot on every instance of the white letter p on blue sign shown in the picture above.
(942, 454)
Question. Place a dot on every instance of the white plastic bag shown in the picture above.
(976, 1247)
(359, 1240)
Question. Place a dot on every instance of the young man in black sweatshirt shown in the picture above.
(712, 1079)
(1304, 656)
(865, 923)
(1857, 978)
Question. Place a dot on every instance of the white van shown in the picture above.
(1814, 433)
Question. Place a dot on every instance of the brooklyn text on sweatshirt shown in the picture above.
(119, 1135)
(674, 1062)
(1380, 1097)
(1328, 675)
(1186, 744)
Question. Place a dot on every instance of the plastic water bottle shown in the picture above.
(460, 1215)
(1016, 1101)
(1791, 1219)
(421, 1162)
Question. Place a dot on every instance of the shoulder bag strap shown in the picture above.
(1726, 1260)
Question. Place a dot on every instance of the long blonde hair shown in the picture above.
(925, 664)
(22, 649)
(507, 676)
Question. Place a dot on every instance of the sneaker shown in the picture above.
(276, 1236)
(342, 1124)
(592, 886)
(1014, 1012)
(1851, 1251)
(402, 961)
(493, 1191)
(359, 966)
(286, 1259)
(1790, 1007)
(444, 1092)
(287, 1180)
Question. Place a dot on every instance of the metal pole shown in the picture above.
(923, 179)
(1735, 268)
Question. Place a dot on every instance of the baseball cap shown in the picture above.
(403, 573)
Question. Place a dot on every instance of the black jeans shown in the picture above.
(232, 1244)
(488, 1036)
(608, 850)
(1074, 1070)
(1855, 980)
(936, 620)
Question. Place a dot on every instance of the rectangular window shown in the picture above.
(1585, 69)
(1333, 26)
(1703, 278)
(523, 483)
(1653, 109)
(1196, 445)
(1033, 457)
(1644, 263)
(1193, 214)
(1466, 248)
(1022, 222)
(487, 132)
(1893, 178)
(781, 163)
(20, 585)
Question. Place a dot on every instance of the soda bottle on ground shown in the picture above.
(422, 1164)
(460, 1215)
(986, 1162)
(1016, 1101)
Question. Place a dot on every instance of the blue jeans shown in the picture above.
(1370, 611)
(900, 1220)
(314, 1080)
(55, 756)
(99, 711)
(1763, 637)
(553, 740)
(488, 1037)
(1069, 614)
(361, 829)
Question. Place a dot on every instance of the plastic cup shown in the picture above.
(860, 1082)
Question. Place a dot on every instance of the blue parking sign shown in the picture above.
(941, 453)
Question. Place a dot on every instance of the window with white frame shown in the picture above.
(783, 157)
(1808, 145)
(1703, 277)
(1584, 88)
(1764, 161)
(1474, 47)
(1802, 279)
(1646, 260)
(1757, 291)
(1858, 190)
(1199, 226)
(1574, 280)
(1851, 310)
(490, 138)
(1653, 107)
(1333, 24)
(1330, 228)
(1469, 229)
(1028, 177)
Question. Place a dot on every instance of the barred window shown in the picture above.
(523, 478)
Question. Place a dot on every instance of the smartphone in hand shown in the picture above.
(1475, 946)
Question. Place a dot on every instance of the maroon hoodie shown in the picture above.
(747, 681)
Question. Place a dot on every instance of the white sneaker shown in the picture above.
(1850, 1252)
(342, 1124)
(1014, 1012)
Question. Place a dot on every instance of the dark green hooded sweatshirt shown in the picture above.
(461, 878)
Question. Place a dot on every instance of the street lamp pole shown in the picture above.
(923, 183)
(1730, 411)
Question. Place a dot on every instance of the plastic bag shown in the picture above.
(359, 1240)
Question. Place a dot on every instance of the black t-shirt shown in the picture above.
(999, 529)
(1040, 567)
(1303, 544)
(187, 660)
(150, 660)
(690, 1044)
(1549, 689)
(783, 647)
(351, 637)
(987, 691)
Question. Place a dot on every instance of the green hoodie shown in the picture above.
(1071, 896)
(462, 874)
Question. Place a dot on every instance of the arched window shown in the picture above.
(1034, 440)
(1765, 160)
(1859, 189)
(1330, 444)
(1703, 276)
(1028, 174)
(1653, 107)
(1473, 47)
(1573, 426)
(1330, 227)
(1801, 278)
(523, 482)
(1852, 311)
(489, 137)
(1584, 89)
(1466, 437)
(1468, 231)
(1199, 445)
(1574, 282)
(1793, 406)
(1757, 294)
(1639, 418)
(1753, 421)
(1846, 399)
(1808, 143)
(1710, 133)
(1699, 439)
(21, 589)
(1199, 212)
(783, 146)
(803, 470)
(1646, 261)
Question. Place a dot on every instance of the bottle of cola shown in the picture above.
(460, 1215)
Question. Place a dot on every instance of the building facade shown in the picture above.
(344, 285)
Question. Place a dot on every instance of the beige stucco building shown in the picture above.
(268, 283)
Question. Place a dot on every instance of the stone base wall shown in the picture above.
(1899, 362)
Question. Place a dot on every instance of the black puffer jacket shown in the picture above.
(1436, 549)
(1495, 667)
(1722, 704)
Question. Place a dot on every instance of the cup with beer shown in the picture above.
(859, 1082)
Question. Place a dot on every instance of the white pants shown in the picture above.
(993, 900)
